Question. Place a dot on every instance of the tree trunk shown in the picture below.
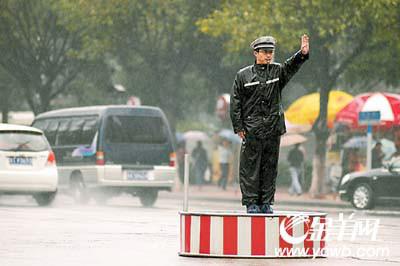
(5, 105)
(44, 104)
(320, 129)
(319, 163)
(4, 112)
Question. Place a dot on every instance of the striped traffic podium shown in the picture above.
(237, 234)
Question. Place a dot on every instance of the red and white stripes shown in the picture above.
(251, 236)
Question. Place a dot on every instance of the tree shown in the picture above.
(38, 51)
(161, 55)
(157, 45)
(340, 31)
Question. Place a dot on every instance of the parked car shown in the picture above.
(102, 151)
(364, 189)
(27, 163)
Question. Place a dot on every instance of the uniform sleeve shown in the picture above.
(236, 106)
(291, 66)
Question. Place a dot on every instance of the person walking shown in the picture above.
(296, 159)
(200, 163)
(224, 163)
(257, 117)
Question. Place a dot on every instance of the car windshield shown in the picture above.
(22, 141)
(135, 129)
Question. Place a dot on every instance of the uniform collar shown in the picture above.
(260, 66)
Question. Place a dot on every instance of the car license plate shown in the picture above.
(20, 160)
(137, 175)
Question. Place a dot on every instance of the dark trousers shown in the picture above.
(258, 169)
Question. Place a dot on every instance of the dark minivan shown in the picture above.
(102, 151)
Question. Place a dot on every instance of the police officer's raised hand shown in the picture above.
(305, 45)
(242, 134)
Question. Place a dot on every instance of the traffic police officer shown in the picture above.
(257, 117)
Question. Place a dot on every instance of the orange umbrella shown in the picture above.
(305, 110)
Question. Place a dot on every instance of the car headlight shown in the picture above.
(345, 179)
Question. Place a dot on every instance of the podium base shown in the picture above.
(283, 234)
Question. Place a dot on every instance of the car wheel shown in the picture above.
(362, 197)
(44, 199)
(148, 197)
(78, 189)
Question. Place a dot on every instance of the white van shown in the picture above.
(102, 151)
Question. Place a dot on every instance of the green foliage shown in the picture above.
(151, 47)
(38, 51)
(339, 30)
(154, 44)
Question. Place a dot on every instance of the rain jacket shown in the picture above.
(256, 106)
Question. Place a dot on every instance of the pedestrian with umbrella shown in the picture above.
(200, 163)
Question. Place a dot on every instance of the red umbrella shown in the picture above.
(387, 103)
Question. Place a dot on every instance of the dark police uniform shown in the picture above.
(256, 109)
